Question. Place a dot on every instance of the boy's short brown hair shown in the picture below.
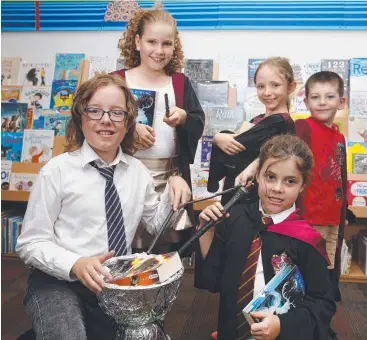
(85, 92)
(325, 77)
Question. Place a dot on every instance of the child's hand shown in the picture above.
(89, 271)
(228, 144)
(211, 213)
(268, 328)
(146, 135)
(176, 117)
(179, 191)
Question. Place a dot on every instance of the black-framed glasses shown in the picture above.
(96, 114)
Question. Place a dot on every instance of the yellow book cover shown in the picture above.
(354, 149)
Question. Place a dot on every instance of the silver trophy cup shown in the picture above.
(139, 310)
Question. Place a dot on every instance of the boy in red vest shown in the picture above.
(323, 203)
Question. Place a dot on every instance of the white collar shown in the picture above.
(88, 155)
(280, 217)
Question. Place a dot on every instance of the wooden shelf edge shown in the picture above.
(355, 275)
(10, 256)
(19, 196)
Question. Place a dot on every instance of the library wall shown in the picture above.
(231, 49)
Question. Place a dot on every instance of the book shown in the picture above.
(100, 64)
(145, 270)
(11, 146)
(22, 182)
(146, 104)
(199, 69)
(35, 74)
(57, 123)
(359, 148)
(37, 146)
(282, 293)
(11, 95)
(212, 92)
(357, 193)
(62, 95)
(37, 96)
(67, 66)
(5, 174)
(10, 70)
(37, 117)
(206, 151)
(13, 116)
(339, 66)
(220, 118)
(253, 64)
(358, 74)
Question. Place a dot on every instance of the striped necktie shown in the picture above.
(115, 219)
(246, 288)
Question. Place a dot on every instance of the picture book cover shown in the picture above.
(10, 70)
(212, 92)
(358, 103)
(146, 105)
(354, 149)
(11, 146)
(37, 146)
(359, 164)
(339, 66)
(67, 66)
(5, 174)
(11, 94)
(62, 95)
(282, 293)
(37, 96)
(100, 64)
(38, 117)
(358, 74)
(206, 151)
(35, 74)
(22, 181)
(221, 118)
(253, 64)
(145, 270)
(13, 116)
(57, 123)
(199, 69)
(357, 193)
(357, 129)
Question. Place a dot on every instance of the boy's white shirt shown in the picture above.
(65, 218)
(259, 283)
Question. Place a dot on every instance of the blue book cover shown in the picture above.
(146, 106)
(67, 66)
(57, 123)
(13, 116)
(206, 151)
(282, 293)
(62, 95)
(11, 146)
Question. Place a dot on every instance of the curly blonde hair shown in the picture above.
(136, 26)
(74, 134)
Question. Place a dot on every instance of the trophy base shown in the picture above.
(150, 331)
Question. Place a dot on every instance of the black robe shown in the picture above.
(222, 268)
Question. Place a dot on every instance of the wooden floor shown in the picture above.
(193, 315)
